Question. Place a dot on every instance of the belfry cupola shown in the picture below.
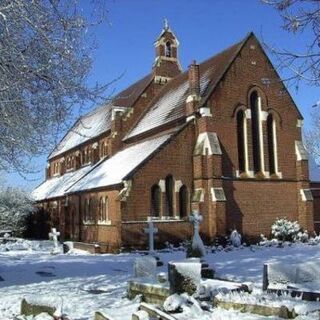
(166, 64)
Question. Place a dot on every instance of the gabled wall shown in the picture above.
(254, 202)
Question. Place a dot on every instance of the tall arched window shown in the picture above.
(255, 127)
(183, 201)
(90, 216)
(168, 49)
(101, 208)
(106, 209)
(241, 140)
(272, 144)
(169, 195)
(86, 209)
(155, 200)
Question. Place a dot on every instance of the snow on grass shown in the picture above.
(88, 283)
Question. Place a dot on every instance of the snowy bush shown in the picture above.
(285, 230)
(15, 207)
(268, 243)
(302, 236)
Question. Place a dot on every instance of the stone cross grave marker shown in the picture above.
(54, 234)
(151, 231)
(197, 245)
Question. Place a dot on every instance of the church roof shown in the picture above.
(114, 170)
(169, 104)
(98, 121)
(56, 187)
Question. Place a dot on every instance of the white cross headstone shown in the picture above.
(54, 234)
(197, 245)
(151, 231)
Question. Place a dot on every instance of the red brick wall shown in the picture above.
(137, 208)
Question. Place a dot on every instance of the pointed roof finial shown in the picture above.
(166, 25)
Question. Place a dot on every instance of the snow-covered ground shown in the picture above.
(87, 283)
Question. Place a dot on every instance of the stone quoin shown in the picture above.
(222, 138)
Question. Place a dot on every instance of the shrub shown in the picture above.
(285, 230)
(15, 208)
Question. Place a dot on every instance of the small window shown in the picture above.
(218, 194)
(168, 49)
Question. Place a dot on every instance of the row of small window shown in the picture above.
(91, 210)
(156, 199)
(86, 158)
(257, 139)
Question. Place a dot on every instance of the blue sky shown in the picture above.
(203, 27)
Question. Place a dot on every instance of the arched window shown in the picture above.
(155, 200)
(169, 195)
(86, 209)
(255, 127)
(272, 144)
(183, 201)
(168, 49)
(241, 136)
(106, 209)
(90, 215)
(101, 208)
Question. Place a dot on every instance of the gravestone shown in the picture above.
(54, 234)
(235, 238)
(151, 231)
(145, 267)
(197, 247)
(184, 276)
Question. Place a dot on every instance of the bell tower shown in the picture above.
(166, 65)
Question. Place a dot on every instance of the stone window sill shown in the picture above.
(104, 223)
(88, 223)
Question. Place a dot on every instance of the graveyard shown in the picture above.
(43, 280)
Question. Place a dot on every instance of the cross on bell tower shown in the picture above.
(166, 64)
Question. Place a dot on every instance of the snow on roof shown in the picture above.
(87, 127)
(314, 170)
(169, 104)
(168, 107)
(98, 121)
(112, 171)
(55, 187)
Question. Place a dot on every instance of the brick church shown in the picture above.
(223, 137)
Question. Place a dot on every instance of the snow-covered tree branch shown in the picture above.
(45, 60)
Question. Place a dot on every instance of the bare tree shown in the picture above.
(45, 60)
(300, 16)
